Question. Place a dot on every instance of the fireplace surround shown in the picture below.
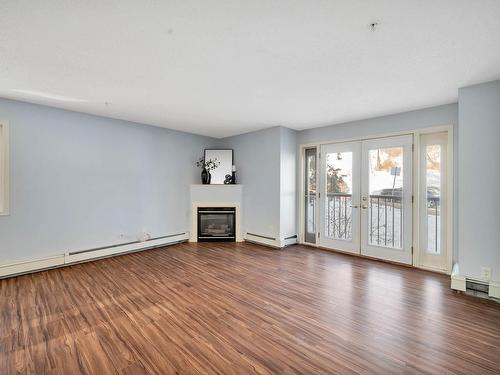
(219, 197)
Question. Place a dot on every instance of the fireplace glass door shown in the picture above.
(216, 224)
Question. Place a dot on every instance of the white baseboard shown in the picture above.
(81, 256)
(31, 265)
(458, 281)
(270, 241)
(34, 265)
(262, 240)
(494, 289)
(289, 241)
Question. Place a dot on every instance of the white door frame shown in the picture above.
(416, 132)
(437, 261)
(403, 255)
(301, 210)
(449, 199)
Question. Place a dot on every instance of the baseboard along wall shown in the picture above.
(69, 258)
(270, 241)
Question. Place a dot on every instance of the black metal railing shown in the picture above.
(339, 216)
(433, 225)
(386, 220)
(310, 219)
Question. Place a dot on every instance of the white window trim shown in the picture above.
(4, 168)
(450, 189)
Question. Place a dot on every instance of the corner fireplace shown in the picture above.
(216, 224)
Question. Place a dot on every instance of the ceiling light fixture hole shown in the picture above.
(373, 25)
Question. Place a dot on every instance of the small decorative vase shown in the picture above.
(234, 174)
(205, 177)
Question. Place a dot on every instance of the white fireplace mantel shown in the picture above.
(216, 196)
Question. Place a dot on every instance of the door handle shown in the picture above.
(364, 206)
(355, 206)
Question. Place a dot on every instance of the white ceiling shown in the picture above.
(220, 68)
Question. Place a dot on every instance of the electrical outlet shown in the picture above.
(486, 273)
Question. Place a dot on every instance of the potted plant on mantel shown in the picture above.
(207, 166)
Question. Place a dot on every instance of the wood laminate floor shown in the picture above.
(241, 308)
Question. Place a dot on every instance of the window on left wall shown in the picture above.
(4, 169)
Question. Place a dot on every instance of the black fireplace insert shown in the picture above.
(216, 224)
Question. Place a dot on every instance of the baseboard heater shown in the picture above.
(463, 283)
(105, 251)
(34, 265)
(290, 240)
(270, 241)
(489, 288)
(477, 286)
(261, 236)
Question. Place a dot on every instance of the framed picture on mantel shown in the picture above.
(225, 158)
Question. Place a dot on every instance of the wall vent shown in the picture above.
(477, 286)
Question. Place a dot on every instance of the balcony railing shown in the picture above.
(339, 216)
(385, 219)
(434, 225)
(310, 219)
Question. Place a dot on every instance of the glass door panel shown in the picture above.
(433, 201)
(339, 195)
(310, 196)
(386, 213)
(385, 192)
(339, 199)
(433, 198)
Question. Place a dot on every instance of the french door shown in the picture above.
(366, 198)
(340, 196)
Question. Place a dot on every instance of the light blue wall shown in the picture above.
(479, 179)
(257, 159)
(400, 122)
(81, 181)
(288, 182)
(266, 166)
